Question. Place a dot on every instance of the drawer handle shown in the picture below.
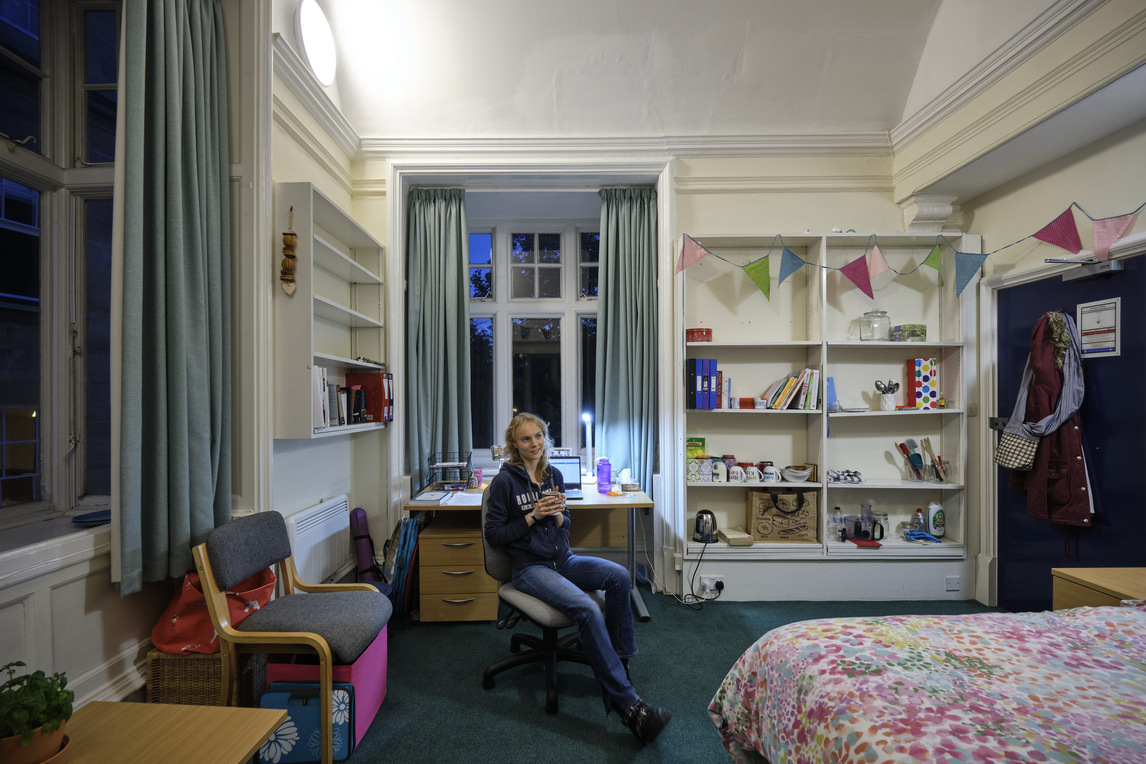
(459, 602)
(457, 572)
(458, 543)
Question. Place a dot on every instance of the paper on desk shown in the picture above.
(461, 498)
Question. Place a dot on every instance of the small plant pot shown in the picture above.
(45, 747)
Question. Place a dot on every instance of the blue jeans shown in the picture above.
(606, 635)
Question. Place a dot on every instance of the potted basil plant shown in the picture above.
(33, 709)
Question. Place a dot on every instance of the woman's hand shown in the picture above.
(550, 504)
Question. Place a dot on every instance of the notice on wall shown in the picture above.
(1099, 327)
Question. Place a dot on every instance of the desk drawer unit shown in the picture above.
(453, 584)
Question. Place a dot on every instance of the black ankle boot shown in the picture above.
(646, 722)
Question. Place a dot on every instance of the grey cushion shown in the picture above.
(349, 621)
(246, 545)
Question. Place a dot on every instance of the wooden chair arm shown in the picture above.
(347, 587)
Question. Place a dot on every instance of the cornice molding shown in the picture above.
(300, 81)
(791, 184)
(308, 142)
(860, 144)
(1048, 26)
(1006, 112)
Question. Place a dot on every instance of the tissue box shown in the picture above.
(909, 333)
(922, 390)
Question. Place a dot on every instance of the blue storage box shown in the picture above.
(299, 738)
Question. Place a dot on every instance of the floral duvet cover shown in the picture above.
(1064, 686)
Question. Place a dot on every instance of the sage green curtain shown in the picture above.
(437, 327)
(626, 384)
(175, 417)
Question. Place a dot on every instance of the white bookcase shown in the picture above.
(812, 320)
(334, 318)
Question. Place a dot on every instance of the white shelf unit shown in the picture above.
(334, 318)
(812, 319)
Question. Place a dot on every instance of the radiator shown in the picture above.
(320, 539)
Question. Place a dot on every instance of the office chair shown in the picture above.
(550, 647)
(336, 621)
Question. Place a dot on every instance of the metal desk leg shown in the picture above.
(638, 603)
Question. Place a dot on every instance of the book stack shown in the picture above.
(365, 398)
(799, 390)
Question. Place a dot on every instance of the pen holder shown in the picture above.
(887, 402)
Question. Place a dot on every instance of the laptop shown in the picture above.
(570, 468)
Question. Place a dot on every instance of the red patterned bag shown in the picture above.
(185, 626)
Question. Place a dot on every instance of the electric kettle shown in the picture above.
(705, 527)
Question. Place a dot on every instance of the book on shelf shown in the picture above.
(317, 398)
(813, 391)
(719, 390)
(784, 399)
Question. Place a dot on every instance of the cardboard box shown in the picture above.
(698, 470)
(783, 516)
(367, 674)
(909, 333)
(922, 389)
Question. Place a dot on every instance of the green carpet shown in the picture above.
(436, 710)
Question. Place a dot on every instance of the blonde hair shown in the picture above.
(513, 456)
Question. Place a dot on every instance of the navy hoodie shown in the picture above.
(512, 495)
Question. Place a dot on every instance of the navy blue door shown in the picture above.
(1114, 439)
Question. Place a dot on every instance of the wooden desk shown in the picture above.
(1094, 587)
(128, 733)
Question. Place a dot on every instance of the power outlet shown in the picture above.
(710, 584)
(954, 583)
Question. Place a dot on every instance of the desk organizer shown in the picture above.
(367, 674)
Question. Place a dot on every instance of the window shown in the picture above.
(58, 70)
(533, 328)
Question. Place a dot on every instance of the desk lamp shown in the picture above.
(588, 419)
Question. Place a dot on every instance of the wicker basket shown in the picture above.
(194, 679)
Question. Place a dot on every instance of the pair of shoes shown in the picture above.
(646, 722)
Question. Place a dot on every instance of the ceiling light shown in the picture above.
(314, 33)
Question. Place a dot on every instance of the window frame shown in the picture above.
(570, 308)
(65, 183)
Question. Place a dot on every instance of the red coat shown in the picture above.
(1056, 487)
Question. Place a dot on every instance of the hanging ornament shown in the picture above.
(287, 267)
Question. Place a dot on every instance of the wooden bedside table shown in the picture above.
(1093, 587)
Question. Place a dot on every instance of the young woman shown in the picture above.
(534, 528)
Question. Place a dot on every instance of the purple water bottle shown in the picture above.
(604, 475)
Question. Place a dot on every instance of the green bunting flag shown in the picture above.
(759, 273)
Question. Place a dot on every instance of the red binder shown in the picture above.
(373, 384)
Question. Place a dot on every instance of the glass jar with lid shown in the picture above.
(875, 326)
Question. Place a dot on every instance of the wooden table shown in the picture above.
(1094, 587)
(127, 733)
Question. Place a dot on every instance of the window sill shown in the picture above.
(39, 548)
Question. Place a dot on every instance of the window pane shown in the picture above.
(101, 47)
(521, 248)
(589, 270)
(481, 283)
(97, 349)
(548, 282)
(20, 330)
(20, 28)
(521, 283)
(481, 248)
(537, 370)
(20, 94)
(549, 247)
(588, 370)
(481, 382)
(101, 126)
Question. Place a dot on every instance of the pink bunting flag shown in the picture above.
(856, 271)
(690, 252)
(1108, 231)
(877, 263)
(1062, 232)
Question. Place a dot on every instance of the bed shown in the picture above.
(1068, 685)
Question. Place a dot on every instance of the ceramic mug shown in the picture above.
(771, 475)
(753, 475)
(736, 474)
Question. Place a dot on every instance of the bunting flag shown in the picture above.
(789, 264)
(933, 259)
(759, 273)
(1062, 232)
(967, 264)
(856, 271)
(877, 263)
(690, 252)
(1108, 231)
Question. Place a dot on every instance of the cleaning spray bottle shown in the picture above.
(936, 519)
